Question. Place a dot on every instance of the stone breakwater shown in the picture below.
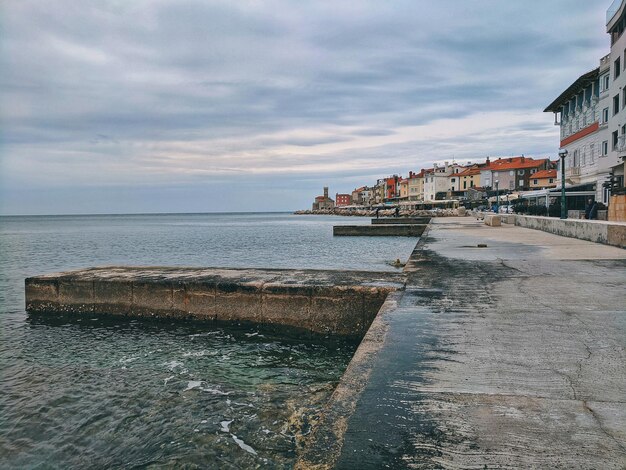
(384, 212)
(325, 302)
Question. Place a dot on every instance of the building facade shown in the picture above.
(343, 200)
(323, 202)
(591, 114)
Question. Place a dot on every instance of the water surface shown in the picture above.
(95, 392)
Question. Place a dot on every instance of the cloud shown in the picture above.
(103, 94)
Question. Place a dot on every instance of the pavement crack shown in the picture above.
(569, 381)
(601, 426)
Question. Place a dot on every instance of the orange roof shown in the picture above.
(515, 163)
(468, 172)
(545, 174)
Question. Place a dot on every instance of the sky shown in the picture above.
(112, 106)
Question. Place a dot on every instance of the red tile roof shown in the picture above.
(468, 172)
(515, 163)
(544, 174)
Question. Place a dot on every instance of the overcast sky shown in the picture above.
(117, 106)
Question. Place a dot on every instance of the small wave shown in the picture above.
(225, 425)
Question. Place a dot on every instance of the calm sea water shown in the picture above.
(79, 392)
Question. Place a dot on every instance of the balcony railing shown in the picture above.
(614, 8)
(621, 143)
(574, 171)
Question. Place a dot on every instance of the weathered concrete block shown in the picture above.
(41, 294)
(195, 299)
(338, 310)
(334, 302)
(76, 295)
(114, 297)
(286, 305)
(493, 220)
(153, 299)
(401, 221)
(390, 230)
(238, 302)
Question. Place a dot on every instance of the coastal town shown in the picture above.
(589, 161)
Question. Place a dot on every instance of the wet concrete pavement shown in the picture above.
(507, 356)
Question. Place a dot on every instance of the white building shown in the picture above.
(615, 26)
(436, 180)
(583, 111)
(592, 116)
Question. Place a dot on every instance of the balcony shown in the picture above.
(574, 171)
(613, 9)
(621, 144)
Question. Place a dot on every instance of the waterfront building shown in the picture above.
(468, 178)
(436, 182)
(592, 117)
(543, 179)
(416, 186)
(342, 200)
(583, 112)
(361, 196)
(615, 26)
(403, 184)
(512, 173)
(323, 202)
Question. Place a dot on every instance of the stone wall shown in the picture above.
(592, 230)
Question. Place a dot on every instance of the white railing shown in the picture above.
(621, 143)
(574, 171)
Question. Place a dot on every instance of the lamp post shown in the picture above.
(497, 196)
(563, 154)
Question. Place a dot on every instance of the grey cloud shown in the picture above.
(132, 91)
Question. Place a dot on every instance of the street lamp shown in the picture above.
(497, 196)
(563, 154)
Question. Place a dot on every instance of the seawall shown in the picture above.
(327, 302)
(506, 349)
(395, 230)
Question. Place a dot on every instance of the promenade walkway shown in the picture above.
(508, 356)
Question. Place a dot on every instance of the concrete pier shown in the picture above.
(507, 349)
(378, 230)
(328, 302)
(401, 220)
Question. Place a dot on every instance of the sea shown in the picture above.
(96, 392)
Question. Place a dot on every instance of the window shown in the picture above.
(464, 184)
(511, 173)
(520, 172)
(615, 105)
(623, 98)
(605, 148)
(535, 181)
(453, 179)
(605, 115)
(606, 82)
(615, 136)
(592, 156)
(520, 183)
(617, 68)
(551, 180)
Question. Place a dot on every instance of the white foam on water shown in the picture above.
(173, 365)
(225, 425)
(195, 353)
(167, 379)
(243, 445)
(214, 391)
(126, 360)
(193, 384)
